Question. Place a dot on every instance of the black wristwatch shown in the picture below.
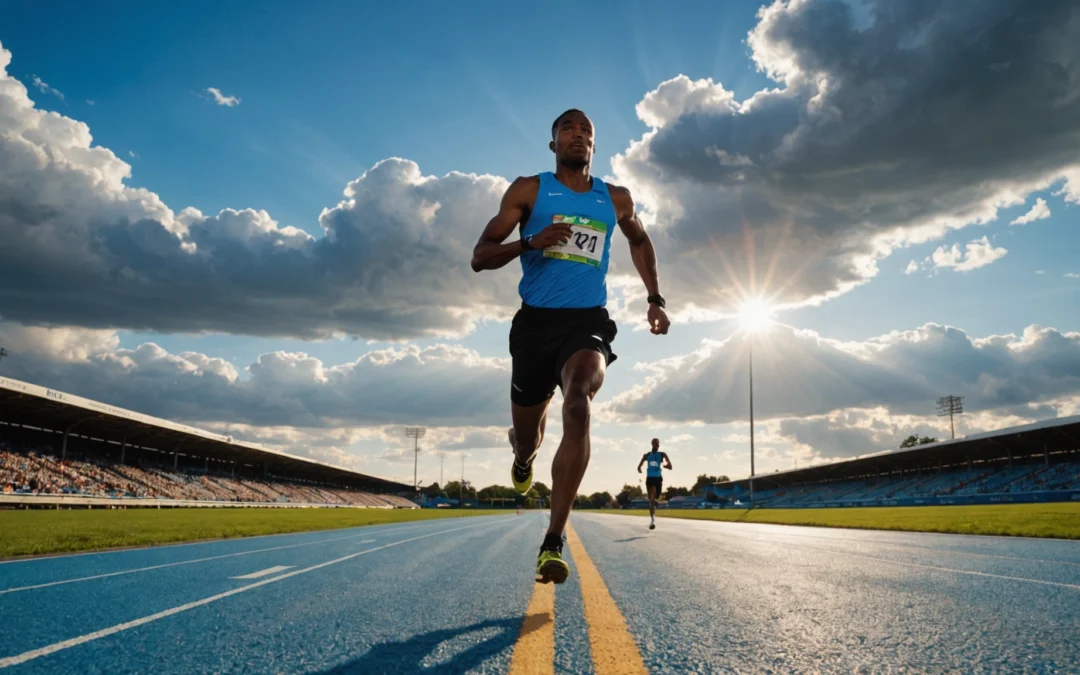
(526, 243)
(657, 300)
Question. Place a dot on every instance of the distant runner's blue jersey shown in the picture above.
(653, 460)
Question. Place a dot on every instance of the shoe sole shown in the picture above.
(652, 527)
(528, 485)
(553, 571)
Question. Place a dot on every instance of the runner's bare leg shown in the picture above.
(582, 377)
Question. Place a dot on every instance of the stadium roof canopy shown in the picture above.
(1040, 440)
(31, 405)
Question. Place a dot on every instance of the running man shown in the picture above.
(654, 478)
(562, 334)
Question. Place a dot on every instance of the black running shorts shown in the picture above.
(657, 482)
(542, 340)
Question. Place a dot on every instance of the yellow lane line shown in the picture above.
(614, 651)
(534, 653)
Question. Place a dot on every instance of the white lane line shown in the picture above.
(1059, 584)
(1074, 587)
(213, 557)
(946, 551)
(1006, 577)
(266, 572)
(174, 564)
(9, 661)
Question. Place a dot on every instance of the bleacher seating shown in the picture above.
(985, 480)
(40, 472)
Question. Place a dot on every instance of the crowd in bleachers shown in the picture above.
(987, 480)
(39, 472)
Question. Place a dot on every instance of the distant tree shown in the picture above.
(452, 488)
(582, 502)
(433, 491)
(676, 492)
(542, 491)
(914, 440)
(628, 494)
(704, 480)
(600, 500)
(498, 492)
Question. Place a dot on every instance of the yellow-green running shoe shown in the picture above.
(521, 475)
(550, 567)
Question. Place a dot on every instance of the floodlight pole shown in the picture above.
(3, 353)
(415, 433)
(950, 405)
(751, 355)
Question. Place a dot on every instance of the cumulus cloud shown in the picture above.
(445, 385)
(222, 99)
(82, 248)
(850, 433)
(978, 253)
(1040, 211)
(886, 129)
(44, 87)
(1072, 275)
(800, 373)
(912, 267)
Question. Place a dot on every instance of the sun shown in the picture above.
(755, 316)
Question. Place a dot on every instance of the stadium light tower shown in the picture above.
(755, 316)
(950, 405)
(750, 355)
(415, 433)
(461, 485)
(3, 353)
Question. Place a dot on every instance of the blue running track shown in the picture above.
(450, 596)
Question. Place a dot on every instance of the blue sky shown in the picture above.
(327, 92)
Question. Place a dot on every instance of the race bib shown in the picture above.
(586, 243)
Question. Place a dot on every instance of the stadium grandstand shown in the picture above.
(57, 449)
(1038, 462)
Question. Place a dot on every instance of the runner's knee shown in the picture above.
(577, 407)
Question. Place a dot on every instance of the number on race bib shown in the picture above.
(586, 243)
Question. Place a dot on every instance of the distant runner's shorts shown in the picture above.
(654, 481)
(542, 340)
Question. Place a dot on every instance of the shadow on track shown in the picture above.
(629, 539)
(408, 656)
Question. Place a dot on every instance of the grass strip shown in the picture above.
(40, 532)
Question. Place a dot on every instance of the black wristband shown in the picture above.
(657, 300)
(526, 244)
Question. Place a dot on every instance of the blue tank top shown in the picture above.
(575, 274)
(653, 463)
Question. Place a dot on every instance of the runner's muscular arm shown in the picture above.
(641, 251)
(490, 252)
(641, 462)
(666, 459)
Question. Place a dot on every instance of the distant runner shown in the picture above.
(654, 479)
(562, 334)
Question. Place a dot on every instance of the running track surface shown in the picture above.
(457, 596)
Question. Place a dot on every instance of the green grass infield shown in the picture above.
(40, 532)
